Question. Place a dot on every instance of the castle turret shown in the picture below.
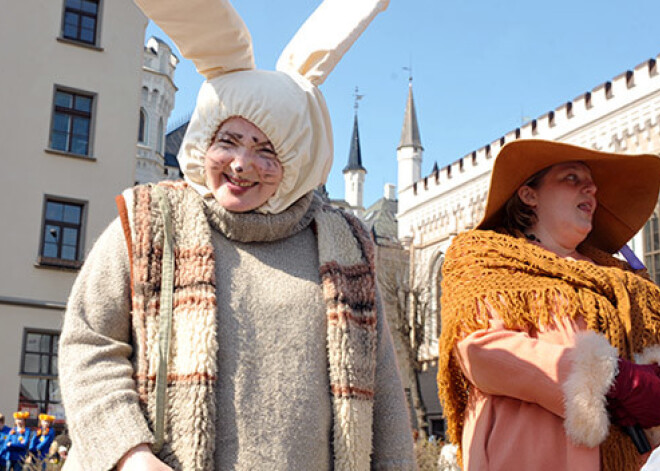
(354, 172)
(409, 152)
(157, 102)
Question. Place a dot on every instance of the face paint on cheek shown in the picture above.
(271, 171)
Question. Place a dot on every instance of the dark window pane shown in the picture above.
(70, 236)
(54, 211)
(33, 389)
(53, 365)
(54, 389)
(74, 4)
(31, 363)
(50, 250)
(83, 103)
(79, 145)
(45, 365)
(87, 23)
(89, 7)
(32, 342)
(70, 31)
(56, 344)
(44, 344)
(87, 35)
(61, 122)
(58, 141)
(72, 214)
(64, 99)
(81, 126)
(68, 253)
(52, 234)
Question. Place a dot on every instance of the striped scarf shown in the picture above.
(348, 284)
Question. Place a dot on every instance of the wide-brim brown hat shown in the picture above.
(628, 186)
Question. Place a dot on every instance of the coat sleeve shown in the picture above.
(96, 375)
(569, 380)
(392, 440)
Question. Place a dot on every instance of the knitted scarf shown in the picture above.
(526, 285)
(348, 285)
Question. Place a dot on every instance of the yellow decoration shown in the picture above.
(22, 415)
(522, 282)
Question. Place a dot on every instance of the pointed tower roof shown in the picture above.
(355, 155)
(410, 132)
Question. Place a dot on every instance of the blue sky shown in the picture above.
(480, 69)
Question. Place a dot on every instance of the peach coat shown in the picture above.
(514, 419)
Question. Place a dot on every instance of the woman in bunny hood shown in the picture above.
(231, 320)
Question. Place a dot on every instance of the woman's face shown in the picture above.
(242, 168)
(564, 202)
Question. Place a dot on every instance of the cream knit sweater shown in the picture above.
(274, 406)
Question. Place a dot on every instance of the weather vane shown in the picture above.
(409, 69)
(358, 97)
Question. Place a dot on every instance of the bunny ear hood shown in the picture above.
(326, 36)
(285, 105)
(287, 108)
(208, 32)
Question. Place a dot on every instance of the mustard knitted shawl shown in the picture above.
(528, 285)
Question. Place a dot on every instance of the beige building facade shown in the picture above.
(72, 74)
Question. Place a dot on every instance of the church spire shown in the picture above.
(410, 131)
(355, 154)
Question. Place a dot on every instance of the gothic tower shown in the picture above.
(157, 102)
(354, 172)
(409, 152)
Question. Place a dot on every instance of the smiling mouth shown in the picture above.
(240, 182)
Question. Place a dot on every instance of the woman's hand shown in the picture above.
(141, 458)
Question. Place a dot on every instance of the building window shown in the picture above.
(40, 391)
(72, 118)
(61, 237)
(160, 137)
(142, 129)
(80, 20)
(651, 236)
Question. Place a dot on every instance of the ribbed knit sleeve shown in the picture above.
(392, 441)
(96, 375)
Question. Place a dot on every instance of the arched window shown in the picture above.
(651, 237)
(160, 137)
(144, 127)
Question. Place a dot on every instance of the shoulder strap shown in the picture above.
(165, 317)
(126, 226)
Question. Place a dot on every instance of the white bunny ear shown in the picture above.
(208, 32)
(325, 37)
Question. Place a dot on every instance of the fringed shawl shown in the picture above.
(528, 286)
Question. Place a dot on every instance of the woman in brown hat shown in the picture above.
(549, 344)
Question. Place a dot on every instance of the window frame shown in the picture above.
(97, 25)
(92, 121)
(648, 245)
(51, 376)
(143, 127)
(54, 262)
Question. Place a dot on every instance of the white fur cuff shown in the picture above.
(591, 377)
(649, 355)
